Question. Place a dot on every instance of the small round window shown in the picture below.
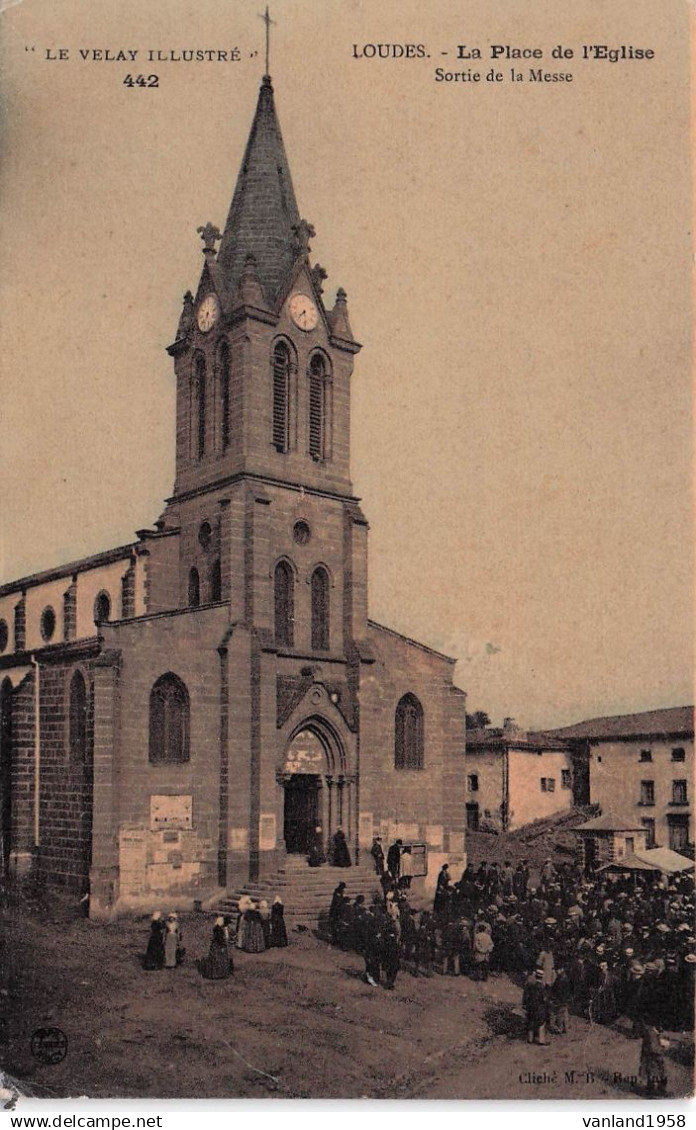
(48, 624)
(301, 532)
(4, 635)
(205, 535)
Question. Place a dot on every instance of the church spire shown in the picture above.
(263, 217)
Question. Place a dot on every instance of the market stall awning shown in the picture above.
(662, 860)
(630, 862)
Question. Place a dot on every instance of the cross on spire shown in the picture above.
(268, 21)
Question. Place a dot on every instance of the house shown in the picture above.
(515, 777)
(642, 766)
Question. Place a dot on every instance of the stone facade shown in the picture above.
(180, 713)
(642, 766)
(514, 777)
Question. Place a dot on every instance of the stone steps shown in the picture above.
(306, 892)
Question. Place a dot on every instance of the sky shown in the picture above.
(517, 260)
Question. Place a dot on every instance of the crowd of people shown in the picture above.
(602, 947)
(257, 927)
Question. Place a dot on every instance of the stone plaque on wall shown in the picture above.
(239, 839)
(171, 812)
(267, 831)
(132, 852)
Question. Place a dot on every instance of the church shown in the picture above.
(180, 714)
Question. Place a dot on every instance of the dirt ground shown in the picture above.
(293, 1023)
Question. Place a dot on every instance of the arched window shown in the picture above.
(169, 720)
(320, 609)
(102, 608)
(224, 379)
(281, 396)
(77, 718)
(284, 598)
(317, 407)
(199, 400)
(216, 581)
(194, 589)
(408, 734)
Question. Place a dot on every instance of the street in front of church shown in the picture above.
(291, 1023)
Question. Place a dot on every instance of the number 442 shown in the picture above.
(141, 80)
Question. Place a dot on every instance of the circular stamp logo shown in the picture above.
(49, 1045)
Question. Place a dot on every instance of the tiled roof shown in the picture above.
(407, 639)
(651, 723)
(496, 739)
(82, 566)
(610, 822)
(264, 209)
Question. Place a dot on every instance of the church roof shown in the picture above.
(264, 210)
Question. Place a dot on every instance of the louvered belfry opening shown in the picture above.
(281, 396)
(224, 376)
(317, 412)
(199, 391)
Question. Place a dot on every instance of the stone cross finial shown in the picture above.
(268, 21)
(210, 235)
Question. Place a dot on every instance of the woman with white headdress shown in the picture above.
(253, 940)
(279, 934)
(218, 964)
(243, 905)
(154, 954)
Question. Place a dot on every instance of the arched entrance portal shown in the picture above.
(318, 798)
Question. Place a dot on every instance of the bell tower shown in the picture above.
(263, 366)
(262, 494)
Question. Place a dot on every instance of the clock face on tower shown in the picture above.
(208, 312)
(303, 312)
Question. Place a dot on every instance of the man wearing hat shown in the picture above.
(535, 1005)
(377, 853)
(394, 860)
